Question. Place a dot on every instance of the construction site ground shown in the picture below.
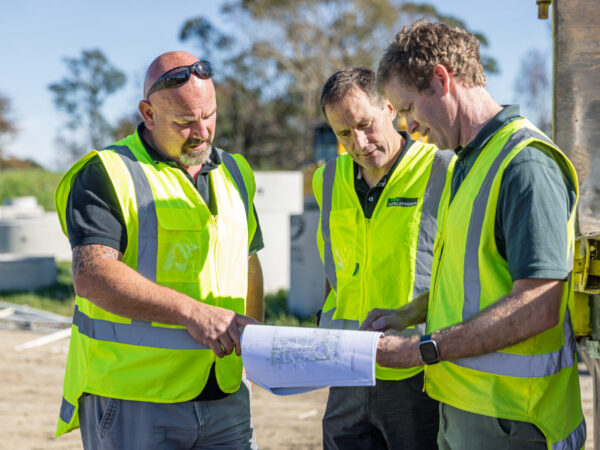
(31, 386)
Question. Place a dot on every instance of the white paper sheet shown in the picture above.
(291, 360)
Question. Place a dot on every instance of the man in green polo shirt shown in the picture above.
(499, 348)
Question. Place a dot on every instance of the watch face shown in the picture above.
(429, 353)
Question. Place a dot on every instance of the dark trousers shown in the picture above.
(389, 415)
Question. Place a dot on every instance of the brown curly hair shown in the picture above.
(419, 47)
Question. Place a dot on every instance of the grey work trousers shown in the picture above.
(464, 430)
(389, 415)
(108, 423)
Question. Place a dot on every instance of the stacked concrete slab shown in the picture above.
(30, 241)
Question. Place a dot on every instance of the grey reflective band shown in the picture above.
(576, 439)
(328, 180)
(327, 321)
(234, 170)
(66, 411)
(137, 333)
(147, 220)
(526, 366)
(428, 223)
(471, 281)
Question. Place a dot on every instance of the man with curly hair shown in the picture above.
(499, 348)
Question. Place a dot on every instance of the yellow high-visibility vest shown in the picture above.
(174, 241)
(535, 380)
(384, 261)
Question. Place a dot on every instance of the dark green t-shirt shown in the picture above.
(533, 205)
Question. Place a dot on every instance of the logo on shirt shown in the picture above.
(402, 201)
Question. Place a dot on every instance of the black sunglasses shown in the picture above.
(178, 76)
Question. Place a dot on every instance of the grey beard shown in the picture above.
(195, 158)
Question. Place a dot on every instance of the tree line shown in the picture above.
(268, 74)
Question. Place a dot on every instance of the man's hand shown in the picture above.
(398, 351)
(384, 320)
(218, 328)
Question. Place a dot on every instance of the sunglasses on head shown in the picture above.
(178, 76)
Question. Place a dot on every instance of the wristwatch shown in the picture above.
(428, 350)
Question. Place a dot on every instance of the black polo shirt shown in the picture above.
(533, 205)
(369, 196)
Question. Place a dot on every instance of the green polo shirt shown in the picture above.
(533, 205)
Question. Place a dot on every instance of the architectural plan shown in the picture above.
(290, 360)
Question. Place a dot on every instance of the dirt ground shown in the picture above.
(30, 394)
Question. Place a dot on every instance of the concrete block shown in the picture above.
(26, 273)
(278, 196)
(307, 283)
(40, 235)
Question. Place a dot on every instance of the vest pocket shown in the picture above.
(183, 243)
(343, 241)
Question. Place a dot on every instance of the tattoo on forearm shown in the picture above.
(85, 257)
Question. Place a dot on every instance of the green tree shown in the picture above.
(81, 95)
(7, 126)
(289, 49)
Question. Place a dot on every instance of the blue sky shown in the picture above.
(35, 36)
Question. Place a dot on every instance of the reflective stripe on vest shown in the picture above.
(472, 283)
(576, 439)
(500, 363)
(327, 321)
(526, 366)
(328, 179)
(238, 179)
(136, 333)
(66, 411)
(431, 200)
(148, 222)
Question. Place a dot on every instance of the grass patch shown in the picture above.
(38, 183)
(276, 312)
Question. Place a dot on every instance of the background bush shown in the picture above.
(38, 183)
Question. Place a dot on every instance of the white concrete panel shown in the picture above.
(278, 196)
(279, 191)
(26, 273)
(34, 236)
(307, 284)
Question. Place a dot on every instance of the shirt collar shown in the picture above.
(214, 159)
(507, 114)
(408, 141)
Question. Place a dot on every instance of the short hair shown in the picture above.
(339, 84)
(419, 47)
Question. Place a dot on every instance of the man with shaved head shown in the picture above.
(164, 237)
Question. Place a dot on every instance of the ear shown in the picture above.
(147, 113)
(441, 78)
(389, 108)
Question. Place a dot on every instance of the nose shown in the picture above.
(360, 138)
(411, 125)
(200, 130)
